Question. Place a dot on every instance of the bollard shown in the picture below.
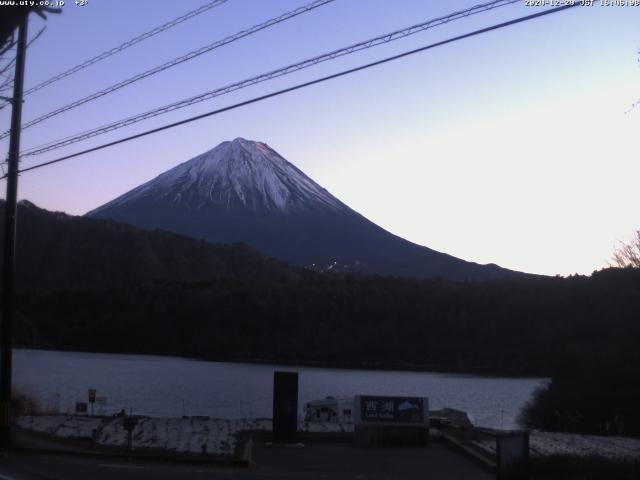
(512, 455)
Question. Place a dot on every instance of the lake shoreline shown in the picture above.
(339, 365)
(175, 386)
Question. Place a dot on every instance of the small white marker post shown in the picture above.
(92, 398)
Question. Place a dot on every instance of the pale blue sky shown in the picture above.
(513, 147)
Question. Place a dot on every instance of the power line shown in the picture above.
(127, 44)
(382, 39)
(184, 58)
(301, 85)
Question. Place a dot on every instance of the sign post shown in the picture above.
(129, 424)
(92, 398)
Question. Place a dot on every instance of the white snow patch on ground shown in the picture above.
(544, 444)
(62, 426)
(181, 435)
(178, 435)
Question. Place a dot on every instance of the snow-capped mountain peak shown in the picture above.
(239, 173)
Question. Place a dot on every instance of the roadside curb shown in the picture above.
(139, 456)
(470, 453)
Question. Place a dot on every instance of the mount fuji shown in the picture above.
(244, 191)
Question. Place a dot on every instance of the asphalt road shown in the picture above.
(314, 461)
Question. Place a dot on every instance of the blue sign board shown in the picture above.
(374, 409)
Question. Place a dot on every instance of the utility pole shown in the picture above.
(9, 251)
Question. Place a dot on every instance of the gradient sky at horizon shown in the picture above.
(516, 147)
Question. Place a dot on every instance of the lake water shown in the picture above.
(171, 386)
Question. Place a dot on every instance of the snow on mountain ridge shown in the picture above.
(237, 173)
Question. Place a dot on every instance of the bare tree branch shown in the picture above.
(37, 35)
(628, 254)
(8, 65)
(7, 84)
(8, 45)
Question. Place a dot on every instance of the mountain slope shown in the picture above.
(55, 250)
(245, 191)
